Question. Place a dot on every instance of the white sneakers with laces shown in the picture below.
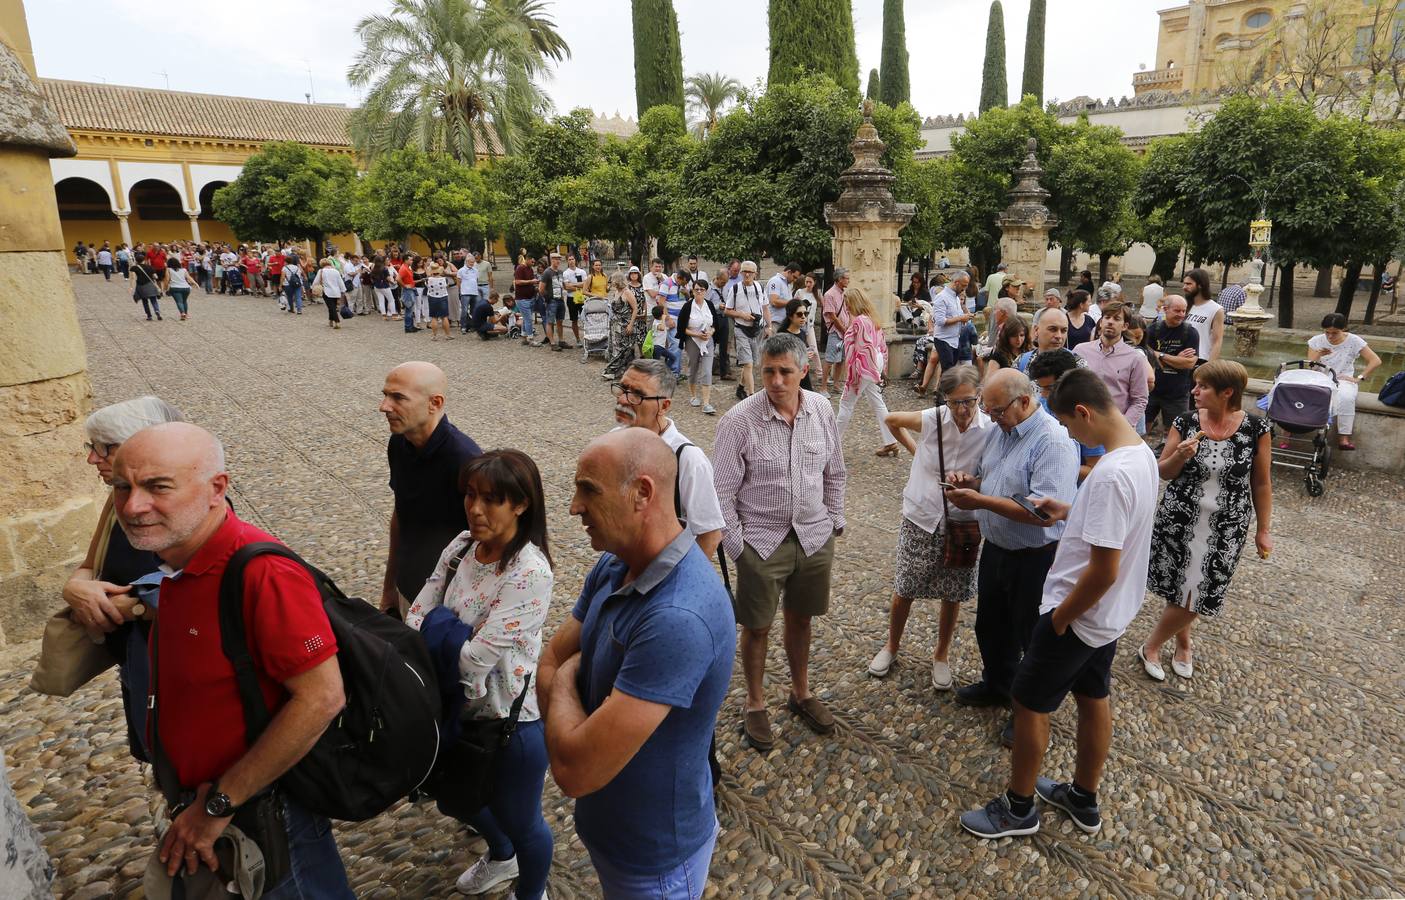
(485, 874)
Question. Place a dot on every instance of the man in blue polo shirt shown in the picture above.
(652, 634)
(426, 453)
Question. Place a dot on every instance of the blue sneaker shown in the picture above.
(1056, 793)
(997, 821)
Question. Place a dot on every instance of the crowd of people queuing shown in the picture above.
(1033, 488)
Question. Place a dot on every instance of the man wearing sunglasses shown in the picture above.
(643, 396)
(1032, 456)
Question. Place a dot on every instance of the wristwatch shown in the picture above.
(217, 803)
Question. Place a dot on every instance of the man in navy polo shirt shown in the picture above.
(426, 453)
(653, 635)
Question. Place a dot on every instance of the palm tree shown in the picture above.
(708, 93)
(452, 76)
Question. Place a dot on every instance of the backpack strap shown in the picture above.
(234, 639)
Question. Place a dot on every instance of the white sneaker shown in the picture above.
(694, 402)
(941, 676)
(1153, 669)
(881, 663)
(485, 875)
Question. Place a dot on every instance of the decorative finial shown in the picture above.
(1032, 144)
(868, 109)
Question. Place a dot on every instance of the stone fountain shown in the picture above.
(867, 223)
(1024, 230)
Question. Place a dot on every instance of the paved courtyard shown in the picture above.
(1276, 772)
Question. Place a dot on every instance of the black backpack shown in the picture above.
(384, 743)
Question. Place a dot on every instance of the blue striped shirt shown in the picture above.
(1036, 457)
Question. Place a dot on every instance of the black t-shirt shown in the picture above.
(482, 314)
(1171, 341)
(552, 285)
(428, 502)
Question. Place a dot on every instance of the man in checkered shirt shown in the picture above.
(779, 472)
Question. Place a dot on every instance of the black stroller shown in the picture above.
(1300, 407)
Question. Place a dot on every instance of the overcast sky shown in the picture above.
(286, 49)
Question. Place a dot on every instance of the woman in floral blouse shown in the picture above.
(500, 589)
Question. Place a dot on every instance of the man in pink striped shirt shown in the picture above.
(1122, 367)
(779, 473)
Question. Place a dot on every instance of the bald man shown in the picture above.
(426, 453)
(631, 683)
(169, 485)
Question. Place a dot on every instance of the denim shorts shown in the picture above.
(686, 881)
(553, 311)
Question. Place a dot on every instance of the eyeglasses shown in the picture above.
(998, 411)
(631, 396)
(102, 450)
(970, 402)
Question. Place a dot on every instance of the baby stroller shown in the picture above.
(595, 327)
(1300, 406)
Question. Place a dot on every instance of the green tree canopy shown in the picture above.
(709, 93)
(813, 36)
(526, 205)
(994, 90)
(1033, 78)
(452, 76)
(895, 86)
(875, 85)
(288, 191)
(434, 196)
(658, 58)
(759, 185)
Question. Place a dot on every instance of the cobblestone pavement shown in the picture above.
(1276, 772)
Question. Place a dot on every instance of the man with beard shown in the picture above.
(1205, 315)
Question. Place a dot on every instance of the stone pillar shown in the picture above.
(1024, 230)
(867, 224)
(126, 229)
(195, 229)
(49, 497)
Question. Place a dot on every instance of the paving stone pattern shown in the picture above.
(1276, 772)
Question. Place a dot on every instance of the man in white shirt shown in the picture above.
(746, 306)
(573, 280)
(468, 290)
(1205, 315)
(779, 291)
(642, 400)
(653, 282)
(1094, 589)
(948, 316)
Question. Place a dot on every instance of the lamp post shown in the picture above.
(1249, 319)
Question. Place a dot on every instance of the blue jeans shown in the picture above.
(525, 307)
(317, 870)
(466, 302)
(668, 355)
(179, 295)
(294, 294)
(150, 304)
(684, 882)
(512, 822)
(407, 300)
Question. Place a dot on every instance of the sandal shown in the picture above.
(890, 450)
(1346, 445)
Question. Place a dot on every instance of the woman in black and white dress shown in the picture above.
(1217, 459)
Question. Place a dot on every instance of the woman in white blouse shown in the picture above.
(501, 590)
(964, 431)
(1338, 349)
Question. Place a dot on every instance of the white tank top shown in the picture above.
(1201, 318)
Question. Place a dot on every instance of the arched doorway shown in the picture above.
(157, 213)
(212, 230)
(85, 213)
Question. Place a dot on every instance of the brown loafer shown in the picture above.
(813, 712)
(756, 728)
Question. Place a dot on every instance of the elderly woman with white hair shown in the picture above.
(99, 590)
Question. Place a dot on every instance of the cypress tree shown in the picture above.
(658, 59)
(895, 87)
(1034, 53)
(809, 36)
(994, 91)
(875, 86)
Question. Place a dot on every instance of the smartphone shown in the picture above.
(1030, 507)
(948, 485)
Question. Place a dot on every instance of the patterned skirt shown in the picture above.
(920, 574)
(921, 349)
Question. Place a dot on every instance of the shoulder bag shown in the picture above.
(961, 541)
(69, 657)
(465, 775)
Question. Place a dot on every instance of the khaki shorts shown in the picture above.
(803, 579)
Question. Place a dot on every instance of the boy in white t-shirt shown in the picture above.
(1094, 589)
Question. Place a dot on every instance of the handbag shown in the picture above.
(345, 311)
(317, 286)
(961, 541)
(69, 657)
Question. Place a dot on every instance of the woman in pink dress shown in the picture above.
(866, 355)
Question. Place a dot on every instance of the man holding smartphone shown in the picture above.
(1094, 589)
(1033, 456)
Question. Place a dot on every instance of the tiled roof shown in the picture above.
(86, 106)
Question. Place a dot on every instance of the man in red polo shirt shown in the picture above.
(169, 493)
(156, 259)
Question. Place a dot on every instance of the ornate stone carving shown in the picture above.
(1024, 228)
